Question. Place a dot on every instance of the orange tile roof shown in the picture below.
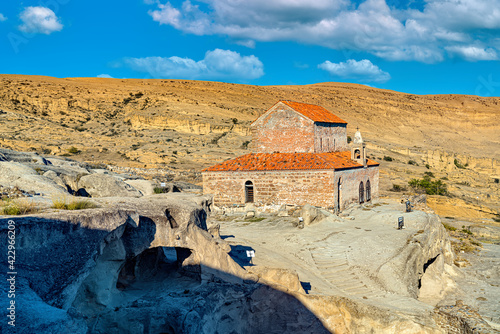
(289, 161)
(314, 113)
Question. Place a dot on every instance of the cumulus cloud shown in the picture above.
(372, 26)
(105, 76)
(362, 70)
(2, 17)
(217, 64)
(40, 20)
(473, 53)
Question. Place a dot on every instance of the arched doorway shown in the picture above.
(361, 193)
(249, 198)
(368, 191)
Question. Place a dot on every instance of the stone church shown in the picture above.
(299, 155)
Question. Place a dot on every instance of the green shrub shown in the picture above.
(427, 166)
(387, 158)
(449, 227)
(61, 204)
(73, 150)
(459, 165)
(430, 187)
(245, 144)
(349, 139)
(159, 190)
(80, 205)
(18, 207)
(412, 162)
(397, 187)
(430, 174)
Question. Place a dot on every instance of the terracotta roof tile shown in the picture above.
(314, 112)
(289, 161)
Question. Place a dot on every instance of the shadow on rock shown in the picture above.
(131, 271)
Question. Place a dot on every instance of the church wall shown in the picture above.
(350, 180)
(314, 187)
(330, 137)
(282, 130)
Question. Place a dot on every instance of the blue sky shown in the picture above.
(421, 47)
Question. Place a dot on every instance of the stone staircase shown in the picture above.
(334, 267)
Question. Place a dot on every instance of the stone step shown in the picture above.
(331, 266)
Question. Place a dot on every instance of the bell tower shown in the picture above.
(358, 149)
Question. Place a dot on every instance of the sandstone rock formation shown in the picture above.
(103, 185)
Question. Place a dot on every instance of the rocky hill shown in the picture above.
(179, 125)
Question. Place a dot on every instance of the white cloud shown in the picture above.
(217, 64)
(372, 26)
(473, 53)
(105, 76)
(2, 17)
(362, 70)
(39, 20)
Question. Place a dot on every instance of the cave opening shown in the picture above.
(157, 265)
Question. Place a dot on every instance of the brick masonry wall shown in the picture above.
(330, 137)
(282, 130)
(290, 187)
(350, 180)
(272, 187)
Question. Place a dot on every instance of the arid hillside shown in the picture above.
(188, 125)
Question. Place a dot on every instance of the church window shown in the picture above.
(368, 191)
(361, 193)
(249, 198)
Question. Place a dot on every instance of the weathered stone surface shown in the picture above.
(281, 279)
(146, 187)
(312, 214)
(103, 185)
(26, 178)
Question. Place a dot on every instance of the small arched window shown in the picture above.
(368, 191)
(357, 154)
(249, 192)
(361, 193)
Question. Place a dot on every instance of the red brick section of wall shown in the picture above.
(282, 130)
(272, 187)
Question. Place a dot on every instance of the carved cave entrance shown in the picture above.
(156, 265)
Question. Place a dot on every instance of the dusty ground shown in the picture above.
(344, 257)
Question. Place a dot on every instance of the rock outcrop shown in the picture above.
(83, 267)
(104, 185)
